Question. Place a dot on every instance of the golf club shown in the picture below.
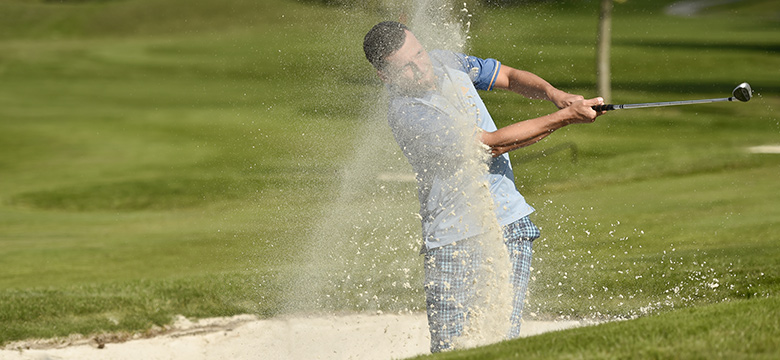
(742, 92)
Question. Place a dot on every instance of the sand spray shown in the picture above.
(363, 251)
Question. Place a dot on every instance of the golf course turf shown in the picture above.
(163, 158)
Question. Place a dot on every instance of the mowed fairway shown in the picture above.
(170, 157)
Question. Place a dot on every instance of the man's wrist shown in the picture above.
(553, 94)
(570, 116)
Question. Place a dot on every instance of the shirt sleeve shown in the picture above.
(482, 72)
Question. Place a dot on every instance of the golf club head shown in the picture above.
(742, 92)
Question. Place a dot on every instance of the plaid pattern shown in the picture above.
(519, 237)
(450, 269)
(521, 229)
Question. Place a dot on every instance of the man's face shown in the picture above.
(409, 68)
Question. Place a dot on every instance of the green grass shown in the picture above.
(734, 330)
(215, 158)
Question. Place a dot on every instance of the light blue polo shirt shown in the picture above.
(430, 130)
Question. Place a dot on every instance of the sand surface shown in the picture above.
(765, 149)
(355, 336)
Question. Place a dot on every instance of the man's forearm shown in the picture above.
(524, 83)
(532, 86)
(528, 132)
(524, 133)
(498, 150)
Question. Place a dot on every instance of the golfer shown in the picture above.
(430, 93)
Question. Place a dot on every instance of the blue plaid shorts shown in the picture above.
(450, 269)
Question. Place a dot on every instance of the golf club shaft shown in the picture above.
(607, 107)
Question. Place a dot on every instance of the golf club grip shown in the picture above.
(605, 107)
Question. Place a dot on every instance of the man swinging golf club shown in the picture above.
(428, 94)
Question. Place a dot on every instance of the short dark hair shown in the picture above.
(382, 40)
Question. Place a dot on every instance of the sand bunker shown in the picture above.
(355, 336)
(764, 149)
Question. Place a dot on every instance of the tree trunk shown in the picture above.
(602, 55)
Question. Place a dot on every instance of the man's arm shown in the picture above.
(528, 132)
(532, 87)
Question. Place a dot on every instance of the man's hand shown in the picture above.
(562, 99)
(582, 110)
